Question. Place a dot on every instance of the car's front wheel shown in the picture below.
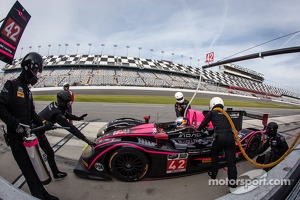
(128, 164)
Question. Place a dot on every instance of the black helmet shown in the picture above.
(31, 64)
(63, 98)
(271, 129)
(66, 84)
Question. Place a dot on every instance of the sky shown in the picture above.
(182, 31)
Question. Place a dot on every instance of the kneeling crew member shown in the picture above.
(277, 143)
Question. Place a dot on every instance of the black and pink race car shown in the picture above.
(131, 149)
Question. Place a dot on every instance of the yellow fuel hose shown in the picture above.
(243, 151)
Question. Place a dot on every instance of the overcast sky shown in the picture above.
(191, 28)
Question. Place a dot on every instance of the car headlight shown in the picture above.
(101, 130)
(87, 152)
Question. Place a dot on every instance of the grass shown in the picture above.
(163, 100)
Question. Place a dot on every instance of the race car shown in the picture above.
(131, 149)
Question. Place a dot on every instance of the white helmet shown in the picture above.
(179, 97)
(215, 101)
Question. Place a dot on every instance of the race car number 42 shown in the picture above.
(176, 165)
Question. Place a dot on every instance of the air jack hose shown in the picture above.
(198, 85)
(245, 154)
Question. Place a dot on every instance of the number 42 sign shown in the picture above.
(176, 163)
(11, 31)
(210, 57)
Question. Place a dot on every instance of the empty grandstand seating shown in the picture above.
(101, 70)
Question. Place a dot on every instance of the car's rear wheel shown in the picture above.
(128, 164)
(253, 146)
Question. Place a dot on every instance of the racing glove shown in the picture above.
(47, 125)
(90, 142)
(21, 130)
(82, 117)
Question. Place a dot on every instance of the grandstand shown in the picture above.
(108, 70)
(235, 70)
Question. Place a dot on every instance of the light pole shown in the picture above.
(151, 52)
(191, 61)
(90, 44)
(66, 48)
(102, 45)
(140, 48)
(59, 48)
(39, 48)
(162, 55)
(30, 48)
(77, 47)
(172, 56)
(115, 49)
(181, 59)
(127, 50)
(49, 45)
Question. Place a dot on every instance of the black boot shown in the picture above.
(59, 175)
(211, 175)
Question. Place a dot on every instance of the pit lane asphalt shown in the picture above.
(72, 187)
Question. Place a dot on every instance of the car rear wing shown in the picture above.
(237, 117)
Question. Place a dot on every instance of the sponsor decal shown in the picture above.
(189, 135)
(206, 160)
(234, 115)
(4, 90)
(20, 93)
(110, 160)
(85, 163)
(122, 131)
(99, 167)
(20, 89)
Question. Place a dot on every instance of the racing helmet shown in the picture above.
(271, 129)
(179, 97)
(31, 64)
(180, 122)
(216, 102)
(65, 85)
(63, 99)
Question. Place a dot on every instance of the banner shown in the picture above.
(11, 32)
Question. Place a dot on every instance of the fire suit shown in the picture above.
(54, 114)
(16, 106)
(180, 108)
(223, 141)
(278, 146)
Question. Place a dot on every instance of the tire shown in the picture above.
(254, 144)
(128, 164)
